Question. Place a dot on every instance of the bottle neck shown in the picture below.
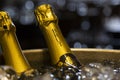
(57, 45)
(49, 25)
(12, 52)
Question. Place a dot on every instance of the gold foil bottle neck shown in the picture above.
(11, 49)
(57, 45)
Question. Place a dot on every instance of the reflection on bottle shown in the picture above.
(58, 48)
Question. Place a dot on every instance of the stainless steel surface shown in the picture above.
(41, 57)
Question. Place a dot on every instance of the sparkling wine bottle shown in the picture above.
(11, 49)
(61, 55)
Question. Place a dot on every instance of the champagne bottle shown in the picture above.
(61, 54)
(10, 47)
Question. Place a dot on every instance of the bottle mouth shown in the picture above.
(6, 23)
(44, 14)
(43, 7)
(3, 14)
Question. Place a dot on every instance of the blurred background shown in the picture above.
(84, 23)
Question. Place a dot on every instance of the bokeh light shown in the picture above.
(90, 22)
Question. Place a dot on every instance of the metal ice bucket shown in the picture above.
(41, 57)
